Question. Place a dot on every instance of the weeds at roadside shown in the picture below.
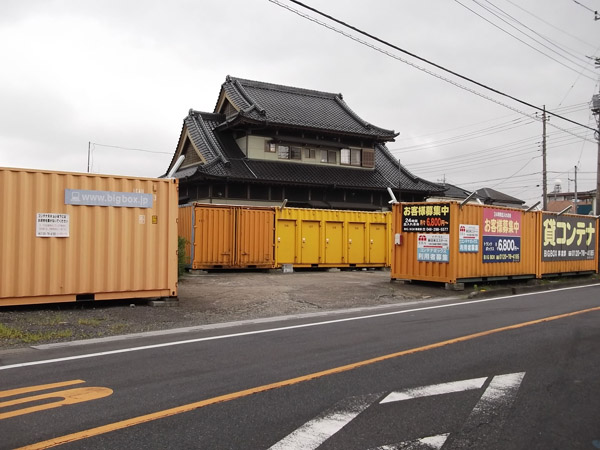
(31, 338)
(90, 322)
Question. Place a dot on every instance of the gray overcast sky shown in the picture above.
(124, 73)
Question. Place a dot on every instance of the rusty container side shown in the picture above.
(563, 233)
(104, 252)
(255, 230)
(332, 238)
(214, 236)
(185, 229)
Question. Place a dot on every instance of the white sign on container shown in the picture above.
(468, 238)
(433, 248)
(52, 225)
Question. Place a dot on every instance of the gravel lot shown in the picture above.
(230, 296)
(209, 298)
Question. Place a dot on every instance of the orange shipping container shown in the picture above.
(446, 242)
(228, 237)
(75, 236)
(568, 244)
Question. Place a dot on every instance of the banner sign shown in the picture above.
(468, 238)
(501, 237)
(433, 248)
(426, 218)
(568, 238)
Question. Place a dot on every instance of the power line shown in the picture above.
(562, 48)
(370, 36)
(549, 24)
(596, 17)
(131, 149)
(522, 41)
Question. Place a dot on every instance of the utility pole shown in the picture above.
(89, 144)
(544, 172)
(575, 197)
(596, 112)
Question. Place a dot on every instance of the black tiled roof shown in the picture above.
(226, 160)
(456, 192)
(287, 106)
(495, 196)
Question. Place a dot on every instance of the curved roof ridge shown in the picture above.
(207, 135)
(251, 101)
(340, 100)
(282, 87)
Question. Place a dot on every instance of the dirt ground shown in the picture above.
(209, 298)
(216, 297)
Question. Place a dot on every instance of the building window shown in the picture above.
(368, 157)
(270, 147)
(328, 156)
(296, 153)
(355, 157)
(259, 192)
(350, 156)
(237, 190)
(283, 152)
(345, 156)
(310, 153)
(276, 193)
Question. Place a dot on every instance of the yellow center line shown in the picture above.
(289, 382)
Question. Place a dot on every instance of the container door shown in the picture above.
(356, 243)
(286, 242)
(377, 243)
(254, 237)
(309, 242)
(334, 244)
(214, 237)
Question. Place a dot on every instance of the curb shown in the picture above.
(517, 290)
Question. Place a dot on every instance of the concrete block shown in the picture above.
(455, 286)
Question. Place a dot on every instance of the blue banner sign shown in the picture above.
(501, 249)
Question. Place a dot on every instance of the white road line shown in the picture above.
(485, 422)
(316, 431)
(272, 330)
(426, 443)
(435, 389)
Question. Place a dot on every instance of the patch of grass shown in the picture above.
(30, 338)
(117, 327)
(9, 333)
(91, 322)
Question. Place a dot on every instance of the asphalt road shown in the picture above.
(521, 372)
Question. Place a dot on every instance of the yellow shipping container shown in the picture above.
(228, 237)
(74, 236)
(332, 238)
